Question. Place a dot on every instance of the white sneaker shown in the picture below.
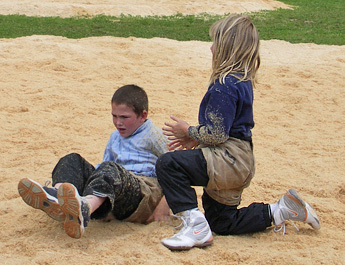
(292, 207)
(195, 232)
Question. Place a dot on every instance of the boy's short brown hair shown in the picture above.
(133, 96)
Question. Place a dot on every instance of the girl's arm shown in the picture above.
(217, 115)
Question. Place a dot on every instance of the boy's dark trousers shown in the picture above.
(179, 170)
(109, 180)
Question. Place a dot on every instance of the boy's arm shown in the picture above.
(108, 154)
(159, 142)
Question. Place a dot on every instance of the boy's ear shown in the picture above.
(144, 115)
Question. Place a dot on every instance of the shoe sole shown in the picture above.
(34, 195)
(206, 244)
(315, 222)
(310, 215)
(70, 203)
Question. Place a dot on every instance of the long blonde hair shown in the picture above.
(235, 49)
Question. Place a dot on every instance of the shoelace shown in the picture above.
(183, 223)
(47, 183)
(282, 226)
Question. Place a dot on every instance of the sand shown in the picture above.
(67, 8)
(55, 100)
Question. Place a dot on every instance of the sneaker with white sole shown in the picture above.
(195, 232)
(77, 210)
(40, 197)
(292, 207)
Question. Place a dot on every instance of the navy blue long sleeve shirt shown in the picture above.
(225, 111)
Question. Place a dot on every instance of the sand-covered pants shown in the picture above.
(178, 171)
(129, 197)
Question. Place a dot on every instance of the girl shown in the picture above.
(218, 153)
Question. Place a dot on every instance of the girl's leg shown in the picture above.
(176, 172)
(119, 189)
(73, 169)
(229, 220)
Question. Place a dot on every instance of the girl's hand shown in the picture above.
(184, 143)
(178, 130)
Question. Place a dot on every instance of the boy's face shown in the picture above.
(126, 120)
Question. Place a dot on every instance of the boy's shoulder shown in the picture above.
(154, 129)
(149, 129)
(155, 133)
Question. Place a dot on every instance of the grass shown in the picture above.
(316, 21)
(176, 27)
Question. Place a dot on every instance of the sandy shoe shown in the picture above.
(195, 232)
(77, 210)
(292, 207)
(40, 197)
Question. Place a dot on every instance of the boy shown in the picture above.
(124, 183)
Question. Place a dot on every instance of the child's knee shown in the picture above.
(163, 163)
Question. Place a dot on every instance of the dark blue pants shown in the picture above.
(179, 170)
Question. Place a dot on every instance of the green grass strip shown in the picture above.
(176, 27)
(311, 21)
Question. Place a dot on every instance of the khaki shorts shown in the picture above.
(230, 167)
(152, 194)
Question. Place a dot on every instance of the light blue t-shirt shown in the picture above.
(139, 152)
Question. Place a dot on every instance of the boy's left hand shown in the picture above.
(161, 213)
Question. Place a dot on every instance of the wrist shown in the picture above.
(190, 131)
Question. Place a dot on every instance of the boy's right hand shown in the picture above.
(161, 213)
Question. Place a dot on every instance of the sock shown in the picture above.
(273, 208)
(188, 211)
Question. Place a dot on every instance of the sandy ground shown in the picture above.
(67, 8)
(55, 95)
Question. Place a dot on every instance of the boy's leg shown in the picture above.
(229, 220)
(76, 209)
(176, 172)
(40, 197)
(151, 196)
(119, 186)
(72, 169)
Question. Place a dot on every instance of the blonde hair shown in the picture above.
(235, 49)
